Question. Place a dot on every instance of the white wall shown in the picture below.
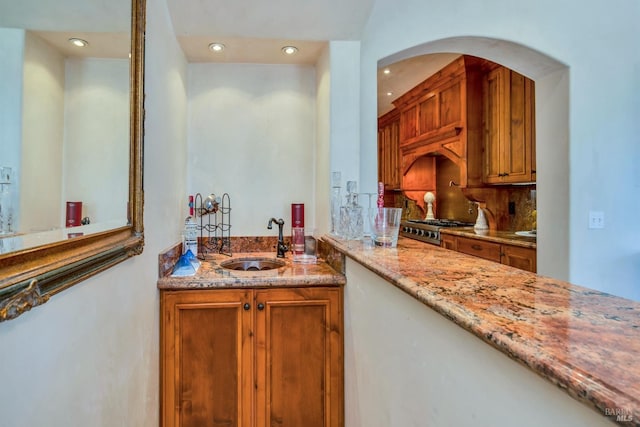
(96, 138)
(406, 365)
(42, 136)
(603, 61)
(89, 356)
(252, 134)
(338, 130)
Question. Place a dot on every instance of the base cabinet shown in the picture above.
(515, 256)
(242, 357)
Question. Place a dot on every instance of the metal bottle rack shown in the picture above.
(215, 220)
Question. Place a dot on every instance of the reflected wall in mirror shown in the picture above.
(70, 131)
(65, 115)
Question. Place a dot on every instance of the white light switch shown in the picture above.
(596, 219)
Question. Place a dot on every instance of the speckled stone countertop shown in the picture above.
(508, 237)
(212, 275)
(584, 341)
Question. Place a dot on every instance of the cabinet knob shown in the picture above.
(246, 306)
(261, 306)
(476, 247)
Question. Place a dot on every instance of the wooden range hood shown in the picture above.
(442, 116)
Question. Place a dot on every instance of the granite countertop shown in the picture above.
(508, 237)
(212, 275)
(584, 341)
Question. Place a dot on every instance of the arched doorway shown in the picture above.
(552, 134)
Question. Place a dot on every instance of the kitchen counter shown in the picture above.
(508, 237)
(584, 341)
(212, 275)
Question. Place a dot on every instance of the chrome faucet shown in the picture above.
(282, 248)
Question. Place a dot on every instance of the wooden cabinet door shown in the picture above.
(448, 241)
(495, 87)
(509, 144)
(517, 148)
(299, 374)
(389, 149)
(207, 369)
(519, 257)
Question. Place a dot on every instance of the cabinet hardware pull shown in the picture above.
(246, 306)
(261, 306)
(476, 247)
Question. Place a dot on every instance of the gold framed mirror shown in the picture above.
(31, 275)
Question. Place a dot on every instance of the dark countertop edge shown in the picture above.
(493, 236)
(556, 371)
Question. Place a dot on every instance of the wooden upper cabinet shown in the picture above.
(509, 122)
(389, 149)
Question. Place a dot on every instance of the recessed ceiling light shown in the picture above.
(389, 93)
(216, 47)
(289, 50)
(78, 42)
(387, 71)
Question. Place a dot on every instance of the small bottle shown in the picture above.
(190, 232)
(190, 236)
(297, 229)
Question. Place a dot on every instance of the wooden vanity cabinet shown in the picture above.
(503, 253)
(245, 358)
(509, 121)
(389, 149)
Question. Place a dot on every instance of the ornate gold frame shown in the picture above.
(29, 277)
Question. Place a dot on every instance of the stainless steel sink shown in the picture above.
(252, 264)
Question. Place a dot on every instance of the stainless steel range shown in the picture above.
(428, 230)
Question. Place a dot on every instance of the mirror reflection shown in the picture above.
(64, 120)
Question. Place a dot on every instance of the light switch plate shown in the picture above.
(596, 219)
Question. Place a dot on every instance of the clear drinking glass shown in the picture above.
(385, 226)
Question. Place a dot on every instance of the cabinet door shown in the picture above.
(299, 374)
(517, 147)
(389, 150)
(509, 144)
(522, 258)
(448, 241)
(495, 110)
(206, 358)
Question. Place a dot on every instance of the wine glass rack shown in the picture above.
(214, 224)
